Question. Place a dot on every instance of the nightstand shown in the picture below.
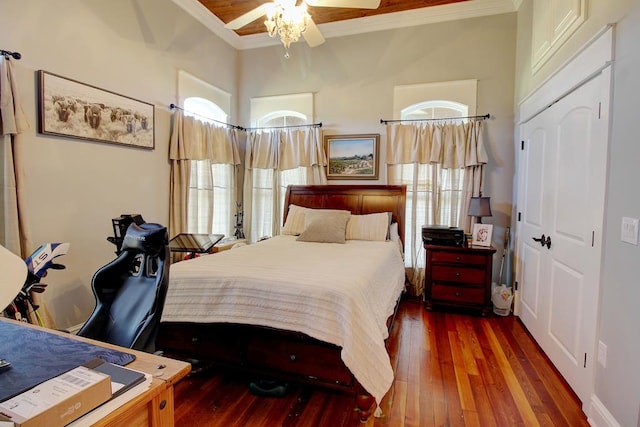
(458, 277)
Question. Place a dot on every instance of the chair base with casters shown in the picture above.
(130, 290)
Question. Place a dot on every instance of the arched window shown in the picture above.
(434, 194)
(269, 186)
(204, 110)
(434, 110)
(212, 189)
(282, 118)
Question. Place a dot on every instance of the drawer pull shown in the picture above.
(458, 258)
(457, 294)
(292, 357)
(457, 274)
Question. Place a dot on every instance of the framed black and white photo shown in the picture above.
(352, 156)
(78, 110)
(481, 235)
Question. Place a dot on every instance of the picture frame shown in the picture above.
(69, 108)
(481, 235)
(352, 156)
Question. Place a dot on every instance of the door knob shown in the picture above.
(544, 241)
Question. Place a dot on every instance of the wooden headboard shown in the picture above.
(359, 199)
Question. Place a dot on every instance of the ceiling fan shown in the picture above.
(289, 20)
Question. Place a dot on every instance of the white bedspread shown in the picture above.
(338, 293)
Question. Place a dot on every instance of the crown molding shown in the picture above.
(408, 18)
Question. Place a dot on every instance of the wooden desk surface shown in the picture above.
(154, 407)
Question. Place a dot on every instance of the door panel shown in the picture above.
(572, 173)
(531, 275)
(561, 196)
(566, 288)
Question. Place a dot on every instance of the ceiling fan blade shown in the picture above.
(312, 34)
(247, 18)
(354, 4)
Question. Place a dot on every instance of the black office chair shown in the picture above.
(130, 290)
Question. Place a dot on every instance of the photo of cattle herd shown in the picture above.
(69, 108)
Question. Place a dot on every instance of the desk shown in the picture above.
(154, 407)
(194, 243)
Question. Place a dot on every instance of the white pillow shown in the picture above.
(394, 236)
(294, 225)
(373, 226)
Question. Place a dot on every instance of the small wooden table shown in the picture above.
(153, 407)
(459, 277)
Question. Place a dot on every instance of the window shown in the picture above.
(434, 194)
(438, 191)
(212, 189)
(270, 186)
(204, 110)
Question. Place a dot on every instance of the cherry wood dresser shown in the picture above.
(458, 277)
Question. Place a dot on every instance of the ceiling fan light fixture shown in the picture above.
(287, 20)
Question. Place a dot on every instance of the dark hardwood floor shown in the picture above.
(451, 369)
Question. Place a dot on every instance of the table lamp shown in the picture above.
(479, 207)
(14, 274)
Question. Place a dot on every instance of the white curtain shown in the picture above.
(442, 166)
(275, 159)
(208, 154)
(13, 234)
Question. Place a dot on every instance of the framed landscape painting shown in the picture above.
(72, 109)
(352, 156)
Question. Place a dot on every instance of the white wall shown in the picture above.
(599, 14)
(353, 79)
(617, 386)
(75, 187)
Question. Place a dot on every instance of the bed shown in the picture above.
(296, 310)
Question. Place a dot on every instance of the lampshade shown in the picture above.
(14, 274)
(479, 207)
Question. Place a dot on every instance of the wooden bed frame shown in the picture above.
(286, 355)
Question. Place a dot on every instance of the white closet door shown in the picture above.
(561, 203)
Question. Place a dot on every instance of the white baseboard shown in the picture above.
(599, 416)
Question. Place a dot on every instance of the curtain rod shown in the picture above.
(14, 55)
(483, 117)
(172, 106)
(311, 125)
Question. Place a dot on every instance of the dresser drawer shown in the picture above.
(453, 273)
(458, 277)
(295, 357)
(455, 294)
(458, 258)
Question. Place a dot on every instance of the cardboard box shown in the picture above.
(58, 401)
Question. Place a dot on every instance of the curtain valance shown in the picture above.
(193, 139)
(450, 145)
(285, 149)
(12, 117)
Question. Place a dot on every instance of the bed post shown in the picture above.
(365, 403)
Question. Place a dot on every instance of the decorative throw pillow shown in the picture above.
(296, 219)
(373, 226)
(325, 226)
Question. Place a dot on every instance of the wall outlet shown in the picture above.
(602, 354)
(629, 231)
